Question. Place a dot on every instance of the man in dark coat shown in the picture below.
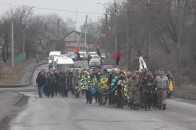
(62, 84)
(51, 84)
(119, 97)
(41, 81)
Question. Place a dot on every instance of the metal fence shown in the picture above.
(20, 58)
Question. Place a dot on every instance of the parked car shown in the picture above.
(83, 55)
(92, 53)
(95, 61)
(103, 55)
(72, 55)
(96, 57)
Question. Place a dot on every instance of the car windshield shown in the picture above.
(92, 53)
(96, 57)
(71, 53)
(51, 57)
(68, 55)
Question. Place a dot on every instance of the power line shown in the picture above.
(52, 9)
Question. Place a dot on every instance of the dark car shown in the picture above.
(72, 55)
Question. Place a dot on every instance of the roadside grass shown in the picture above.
(11, 75)
(186, 91)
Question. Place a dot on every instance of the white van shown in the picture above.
(63, 63)
(56, 58)
(83, 55)
(51, 57)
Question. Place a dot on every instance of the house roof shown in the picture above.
(74, 36)
(46, 34)
(49, 35)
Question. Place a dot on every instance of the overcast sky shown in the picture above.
(71, 5)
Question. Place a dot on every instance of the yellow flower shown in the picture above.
(104, 80)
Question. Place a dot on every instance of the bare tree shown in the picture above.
(23, 18)
(5, 38)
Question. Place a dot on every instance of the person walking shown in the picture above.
(162, 84)
(41, 81)
(171, 84)
(133, 91)
(51, 84)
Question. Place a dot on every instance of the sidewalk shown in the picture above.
(10, 105)
(26, 78)
(12, 102)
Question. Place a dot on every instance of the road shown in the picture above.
(74, 114)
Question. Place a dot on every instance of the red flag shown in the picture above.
(76, 49)
(117, 57)
(118, 54)
(98, 52)
(95, 45)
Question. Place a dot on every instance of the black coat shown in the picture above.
(41, 80)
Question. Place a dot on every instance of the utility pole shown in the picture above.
(12, 43)
(106, 39)
(179, 40)
(59, 37)
(86, 26)
(58, 27)
(24, 36)
(128, 36)
(115, 28)
(148, 45)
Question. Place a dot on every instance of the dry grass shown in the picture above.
(11, 75)
(185, 91)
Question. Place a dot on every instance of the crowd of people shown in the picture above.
(53, 82)
(117, 88)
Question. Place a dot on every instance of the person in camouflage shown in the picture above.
(133, 90)
(162, 84)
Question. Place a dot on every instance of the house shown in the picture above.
(75, 39)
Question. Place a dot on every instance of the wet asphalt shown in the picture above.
(60, 113)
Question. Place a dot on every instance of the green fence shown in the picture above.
(20, 58)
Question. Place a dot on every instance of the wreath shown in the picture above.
(124, 90)
(93, 85)
(103, 86)
(114, 83)
(83, 81)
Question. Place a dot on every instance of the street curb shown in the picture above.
(187, 97)
(23, 85)
(21, 101)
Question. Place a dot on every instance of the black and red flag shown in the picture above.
(98, 52)
(96, 46)
(76, 51)
(117, 57)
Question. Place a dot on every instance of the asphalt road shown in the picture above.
(74, 114)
